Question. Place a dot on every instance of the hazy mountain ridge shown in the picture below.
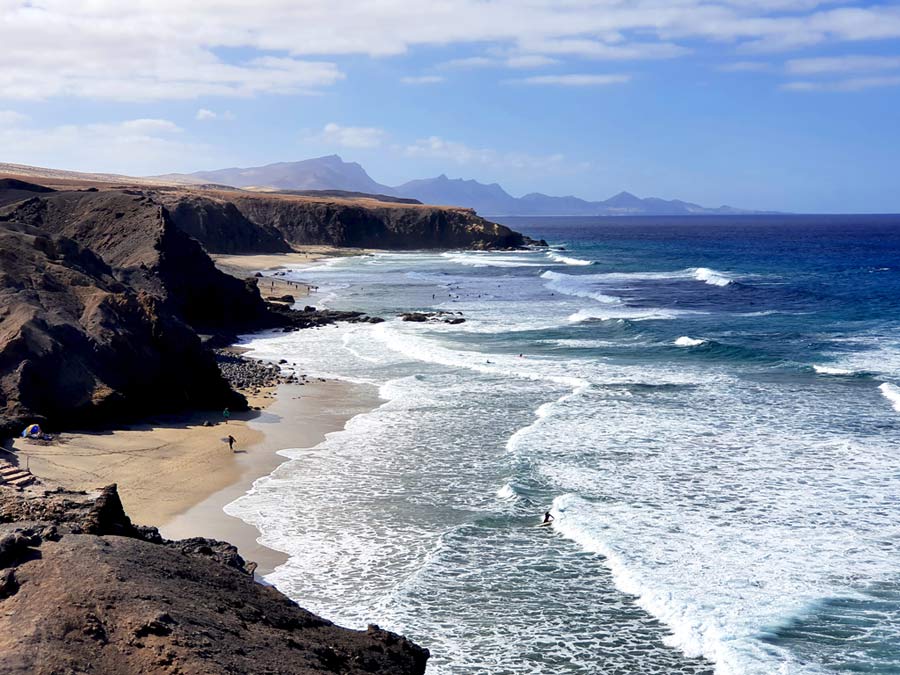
(332, 173)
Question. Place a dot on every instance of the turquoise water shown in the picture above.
(710, 408)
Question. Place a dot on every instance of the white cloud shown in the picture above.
(350, 137)
(422, 79)
(435, 147)
(596, 49)
(171, 49)
(137, 147)
(205, 115)
(530, 61)
(11, 117)
(473, 62)
(846, 85)
(574, 80)
(842, 64)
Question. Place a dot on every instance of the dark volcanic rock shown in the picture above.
(389, 227)
(223, 223)
(137, 238)
(76, 597)
(422, 317)
(13, 190)
(221, 228)
(77, 346)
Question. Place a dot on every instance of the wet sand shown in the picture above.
(300, 417)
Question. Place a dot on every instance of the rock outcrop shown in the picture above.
(78, 346)
(104, 292)
(83, 590)
(136, 237)
(222, 228)
(284, 220)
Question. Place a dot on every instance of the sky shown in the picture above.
(767, 104)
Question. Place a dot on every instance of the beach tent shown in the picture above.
(31, 430)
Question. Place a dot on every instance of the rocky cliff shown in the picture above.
(136, 237)
(102, 298)
(82, 590)
(78, 346)
(246, 222)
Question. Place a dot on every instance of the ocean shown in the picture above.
(709, 406)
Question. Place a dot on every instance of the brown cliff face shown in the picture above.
(221, 227)
(302, 220)
(136, 237)
(79, 346)
(82, 590)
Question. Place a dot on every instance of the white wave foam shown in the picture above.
(631, 314)
(577, 286)
(696, 628)
(892, 393)
(685, 341)
(507, 492)
(831, 370)
(489, 260)
(710, 276)
(406, 342)
(567, 260)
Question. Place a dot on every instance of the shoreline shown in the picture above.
(300, 417)
(176, 474)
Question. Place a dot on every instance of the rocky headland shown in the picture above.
(111, 303)
(112, 311)
(83, 590)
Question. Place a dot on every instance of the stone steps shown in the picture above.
(15, 476)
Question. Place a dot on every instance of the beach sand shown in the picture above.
(176, 474)
(299, 417)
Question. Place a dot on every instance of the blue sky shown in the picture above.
(774, 104)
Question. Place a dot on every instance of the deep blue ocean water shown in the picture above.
(709, 406)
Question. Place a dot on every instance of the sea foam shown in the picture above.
(568, 260)
(710, 276)
(685, 341)
(892, 393)
(581, 286)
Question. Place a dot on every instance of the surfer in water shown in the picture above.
(547, 518)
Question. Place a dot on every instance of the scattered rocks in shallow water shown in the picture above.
(422, 317)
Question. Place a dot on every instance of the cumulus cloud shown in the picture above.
(137, 147)
(176, 50)
(350, 137)
(574, 80)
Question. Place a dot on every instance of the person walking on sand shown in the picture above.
(226, 414)
(231, 441)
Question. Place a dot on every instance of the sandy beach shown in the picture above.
(273, 287)
(176, 474)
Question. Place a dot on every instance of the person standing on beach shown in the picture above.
(231, 441)
(226, 414)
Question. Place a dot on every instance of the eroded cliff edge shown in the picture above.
(84, 590)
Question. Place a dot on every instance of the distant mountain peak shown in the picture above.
(331, 172)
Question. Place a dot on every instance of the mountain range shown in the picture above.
(333, 173)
